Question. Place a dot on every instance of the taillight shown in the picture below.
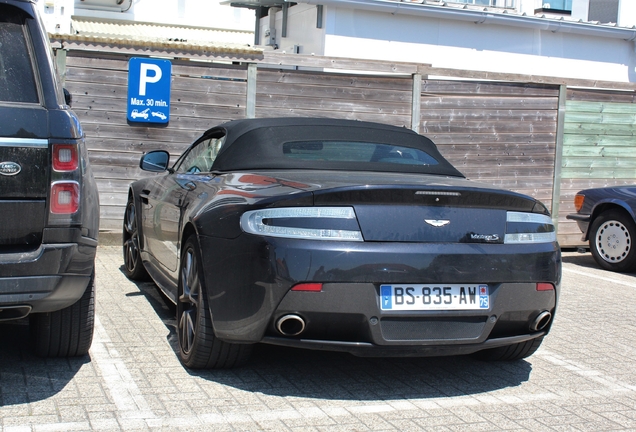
(311, 223)
(578, 202)
(313, 287)
(65, 197)
(65, 157)
(529, 228)
(544, 286)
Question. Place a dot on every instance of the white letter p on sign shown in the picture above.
(145, 79)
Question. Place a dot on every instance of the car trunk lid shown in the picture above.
(454, 212)
(24, 182)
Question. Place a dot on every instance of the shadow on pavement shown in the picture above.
(26, 378)
(580, 259)
(283, 371)
(586, 260)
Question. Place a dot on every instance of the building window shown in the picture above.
(562, 5)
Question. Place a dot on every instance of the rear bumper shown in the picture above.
(365, 349)
(348, 317)
(47, 279)
(249, 280)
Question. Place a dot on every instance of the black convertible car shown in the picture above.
(605, 216)
(338, 235)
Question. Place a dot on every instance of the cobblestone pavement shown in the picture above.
(583, 378)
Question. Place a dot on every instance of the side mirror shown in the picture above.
(68, 99)
(155, 161)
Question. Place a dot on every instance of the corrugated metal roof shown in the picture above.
(163, 33)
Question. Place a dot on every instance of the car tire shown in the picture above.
(512, 352)
(612, 236)
(133, 266)
(198, 346)
(67, 332)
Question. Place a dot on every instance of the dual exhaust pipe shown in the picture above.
(293, 325)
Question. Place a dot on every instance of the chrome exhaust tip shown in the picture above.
(541, 321)
(290, 325)
(10, 313)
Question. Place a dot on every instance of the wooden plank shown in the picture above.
(338, 63)
(530, 151)
(485, 127)
(601, 118)
(293, 102)
(275, 90)
(602, 162)
(600, 107)
(599, 129)
(486, 88)
(578, 140)
(599, 151)
(395, 120)
(470, 101)
(79, 60)
(599, 173)
(589, 95)
(195, 89)
(577, 184)
(182, 116)
(324, 79)
(491, 138)
(468, 114)
(139, 133)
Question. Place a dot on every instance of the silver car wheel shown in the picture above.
(613, 241)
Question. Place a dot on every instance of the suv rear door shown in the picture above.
(24, 149)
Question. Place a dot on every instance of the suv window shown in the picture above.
(17, 81)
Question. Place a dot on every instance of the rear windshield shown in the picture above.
(17, 82)
(364, 152)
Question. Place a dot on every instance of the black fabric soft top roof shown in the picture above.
(258, 144)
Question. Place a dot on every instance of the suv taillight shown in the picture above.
(65, 197)
(65, 190)
(65, 157)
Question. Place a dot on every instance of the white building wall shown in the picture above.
(199, 13)
(56, 14)
(483, 47)
(301, 30)
(627, 13)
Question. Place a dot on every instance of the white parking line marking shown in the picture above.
(591, 374)
(125, 394)
(606, 279)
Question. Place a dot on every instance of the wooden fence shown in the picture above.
(517, 135)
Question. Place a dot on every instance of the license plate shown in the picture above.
(434, 297)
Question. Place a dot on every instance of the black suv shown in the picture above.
(49, 206)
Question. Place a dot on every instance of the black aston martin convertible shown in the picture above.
(338, 235)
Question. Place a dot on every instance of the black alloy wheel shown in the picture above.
(198, 346)
(612, 236)
(133, 267)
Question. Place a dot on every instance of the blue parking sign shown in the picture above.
(149, 90)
